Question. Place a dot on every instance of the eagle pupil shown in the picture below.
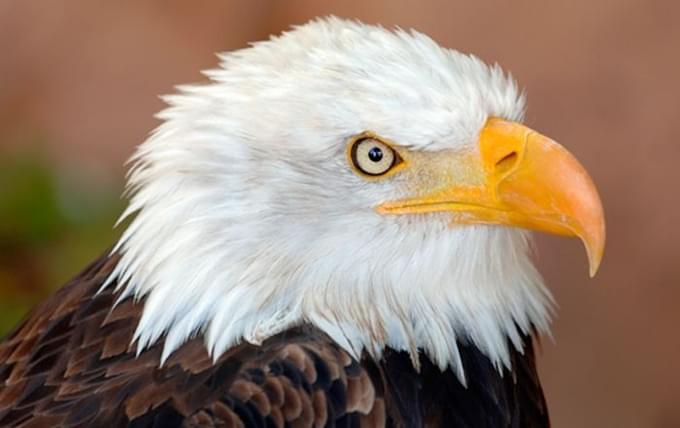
(375, 154)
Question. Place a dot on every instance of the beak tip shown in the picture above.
(594, 264)
(595, 251)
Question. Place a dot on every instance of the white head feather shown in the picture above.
(249, 219)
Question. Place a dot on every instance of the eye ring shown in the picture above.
(372, 157)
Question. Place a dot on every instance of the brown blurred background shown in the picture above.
(79, 81)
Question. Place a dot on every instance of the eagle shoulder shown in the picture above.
(72, 363)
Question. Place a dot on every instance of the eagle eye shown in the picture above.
(372, 157)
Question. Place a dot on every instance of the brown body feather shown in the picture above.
(71, 363)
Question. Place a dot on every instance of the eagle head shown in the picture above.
(368, 182)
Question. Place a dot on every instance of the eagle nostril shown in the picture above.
(506, 163)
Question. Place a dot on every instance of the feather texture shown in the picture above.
(71, 363)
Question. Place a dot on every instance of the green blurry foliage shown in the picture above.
(51, 225)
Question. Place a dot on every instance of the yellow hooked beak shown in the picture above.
(522, 179)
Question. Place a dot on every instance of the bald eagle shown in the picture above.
(333, 231)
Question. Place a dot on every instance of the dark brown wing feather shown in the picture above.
(70, 363)
(433, 398)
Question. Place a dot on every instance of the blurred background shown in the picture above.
(78, 87)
